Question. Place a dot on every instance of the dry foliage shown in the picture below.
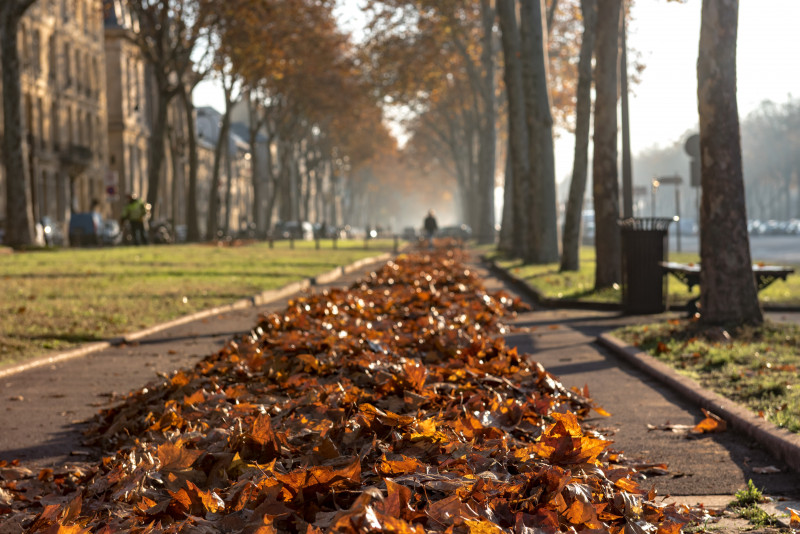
(394, 406)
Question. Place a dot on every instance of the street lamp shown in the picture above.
(653, 190)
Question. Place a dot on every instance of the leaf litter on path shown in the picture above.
(393, 406)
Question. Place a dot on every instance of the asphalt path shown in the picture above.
(564, 341)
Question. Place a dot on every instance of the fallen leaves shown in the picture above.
(394, 406)
(711, 424)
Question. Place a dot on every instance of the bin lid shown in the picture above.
(645, 223)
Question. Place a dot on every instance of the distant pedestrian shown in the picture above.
(430, 227)
(135, 212)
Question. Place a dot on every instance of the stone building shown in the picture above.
(63, 106)
(87, 111)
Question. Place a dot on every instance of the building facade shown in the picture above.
(63, 106)
(87, 113)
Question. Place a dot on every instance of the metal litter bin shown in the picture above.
(644, 246)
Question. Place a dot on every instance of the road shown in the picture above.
(784, 249)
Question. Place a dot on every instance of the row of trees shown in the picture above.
(297, 72)
(437, 58)
(437, 61)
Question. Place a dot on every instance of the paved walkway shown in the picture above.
(43, 408)
(713, 464)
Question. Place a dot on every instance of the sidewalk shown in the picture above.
(707, 469)
(45, 406)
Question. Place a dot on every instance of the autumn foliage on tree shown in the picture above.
(437, 60)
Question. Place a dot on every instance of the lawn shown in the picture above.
(57, 299)
(580, 285)
(755, 367)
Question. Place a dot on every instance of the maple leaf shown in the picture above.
(174, 457)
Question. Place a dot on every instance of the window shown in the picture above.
(52, 57)
(54, 126)
(67, 65)
(37, 53)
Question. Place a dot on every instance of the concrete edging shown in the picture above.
(781, 443)
(265, 297)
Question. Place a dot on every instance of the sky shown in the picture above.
(665, 35)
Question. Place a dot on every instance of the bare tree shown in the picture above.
(728, 293)
(19, 212)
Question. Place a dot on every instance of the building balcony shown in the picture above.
(77, 158)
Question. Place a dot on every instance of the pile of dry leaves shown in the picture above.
(394, 406)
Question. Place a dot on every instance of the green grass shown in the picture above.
(57, 299)
(746, 505)
(755, 367)
(579, 285)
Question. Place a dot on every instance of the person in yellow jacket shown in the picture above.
(135, 212)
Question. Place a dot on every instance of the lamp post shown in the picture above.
(653, 190)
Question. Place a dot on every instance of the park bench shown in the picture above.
(689, 274)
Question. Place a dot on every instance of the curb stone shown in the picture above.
(781, 443)
(259, 299)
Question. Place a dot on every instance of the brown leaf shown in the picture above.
(174, 457)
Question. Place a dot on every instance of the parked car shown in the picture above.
(111, 233)
(293, 230)
(53, 234)
(462, 231)
(410, 233)
(85, 229)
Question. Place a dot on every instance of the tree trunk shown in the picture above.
(506, 243)
(627, 166)
(487, 157)
(517, 129)
(19, 211)
(192, 216)
(212, 226)
(229, 179)
(728, 293)
(570, 258)
(543, 228)
(158, 147)
(604, 172)
(254, 125)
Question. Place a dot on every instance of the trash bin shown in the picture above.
(644, 246)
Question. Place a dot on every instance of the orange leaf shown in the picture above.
(404, 466)
(710, 424)
(397, 499)
(176, 458)
(794, 518)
